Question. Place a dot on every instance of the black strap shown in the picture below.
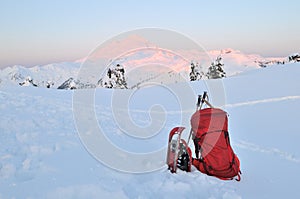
(226, 135)
(197, 147)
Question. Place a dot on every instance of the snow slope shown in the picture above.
(42, 156)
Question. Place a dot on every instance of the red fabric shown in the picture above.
(210, 128)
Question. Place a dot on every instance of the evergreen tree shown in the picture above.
(215, 70)
(115, 78)
(196, 72)
(120, 77)
(294, 57)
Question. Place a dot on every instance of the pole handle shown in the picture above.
(204, 96)
(199, 101)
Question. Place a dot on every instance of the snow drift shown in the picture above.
(42, 156)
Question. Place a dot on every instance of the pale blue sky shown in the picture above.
(38, 31)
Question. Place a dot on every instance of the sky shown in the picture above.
(37, 32)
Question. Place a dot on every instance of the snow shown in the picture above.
(42, 155)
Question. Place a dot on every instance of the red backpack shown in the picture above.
(211, 139)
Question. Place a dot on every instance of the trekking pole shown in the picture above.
(203, 98)
(197, 106)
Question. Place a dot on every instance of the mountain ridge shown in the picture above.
(141, 63)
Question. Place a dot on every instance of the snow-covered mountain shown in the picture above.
(42, 154)
(143, 59)
(236, 62)
(55, 75)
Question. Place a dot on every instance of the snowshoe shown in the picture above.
(179, 154)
